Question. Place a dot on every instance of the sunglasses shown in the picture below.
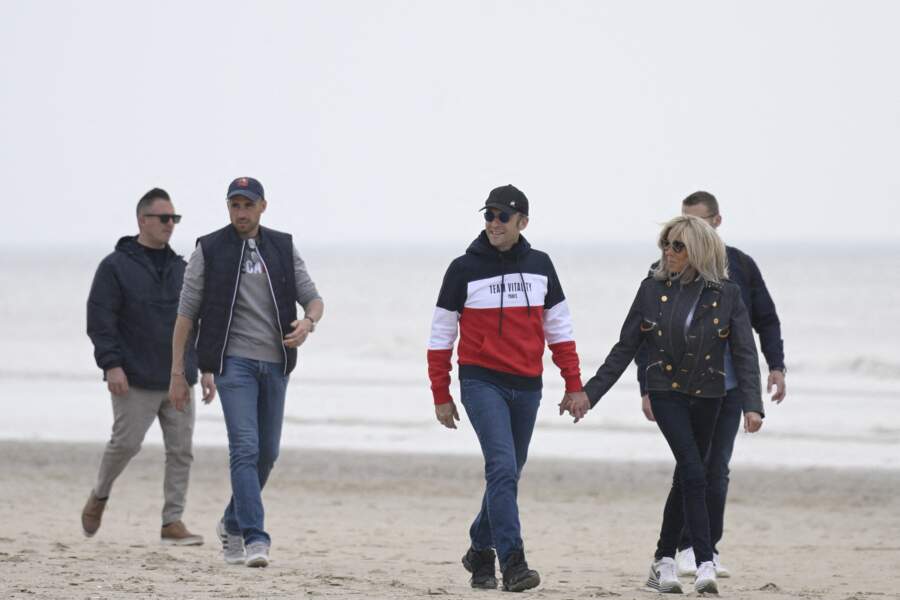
(489, 216)
(677, 247)
(164, 219)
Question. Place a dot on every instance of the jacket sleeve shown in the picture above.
(620, 356)
(745, 357)
(641, 359)
(103, 308)
(559, 334)
(764, 318)
(444, 329)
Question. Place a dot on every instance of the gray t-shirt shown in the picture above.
(254, 331)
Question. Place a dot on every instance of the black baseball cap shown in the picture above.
(247, 187)
(507, 197)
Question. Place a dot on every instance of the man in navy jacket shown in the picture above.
(131, 312)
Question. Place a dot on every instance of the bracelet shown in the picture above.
(174, 373)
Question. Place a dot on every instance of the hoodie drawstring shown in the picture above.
(524, 287)
(502, 293)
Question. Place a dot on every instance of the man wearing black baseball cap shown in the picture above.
(243, 283)
(504, 300)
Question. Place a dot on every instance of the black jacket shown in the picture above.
(743, 271)
(692, 361)
(131, 314)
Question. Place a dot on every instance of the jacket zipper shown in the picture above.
(237, 282)
(277, 314)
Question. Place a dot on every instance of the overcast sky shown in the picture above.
(390, 121)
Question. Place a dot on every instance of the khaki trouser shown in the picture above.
(133, 415)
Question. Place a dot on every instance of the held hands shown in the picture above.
(776, 380)
(576, 404)
(117, 381)
(752, 422)
(302, 328)
(446, 414)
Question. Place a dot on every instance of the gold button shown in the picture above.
(674, 385)
(715, 304)
(659, 332)
(668, 367)
(715, 321)
(665, 298)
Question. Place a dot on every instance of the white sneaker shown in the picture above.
(686, 563)
(662, 576)
(232, 545)
(705, 583)
(257, 554)
(721, 570)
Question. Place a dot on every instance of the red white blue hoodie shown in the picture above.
(506, 306)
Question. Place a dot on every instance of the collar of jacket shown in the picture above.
(481, 246)
(130, 246)
(233, 237)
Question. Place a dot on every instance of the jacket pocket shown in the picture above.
(647, 325)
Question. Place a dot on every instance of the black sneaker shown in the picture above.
(481, 564)
(517, 577)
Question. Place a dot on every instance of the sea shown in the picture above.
(362, 383)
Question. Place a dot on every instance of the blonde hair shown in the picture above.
(705, 250)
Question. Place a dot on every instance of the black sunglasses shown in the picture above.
(164, 219)
(677, 247)
(503, 216)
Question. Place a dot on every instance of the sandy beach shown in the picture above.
(394, 526)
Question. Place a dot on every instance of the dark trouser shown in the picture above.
(717, 471)
(687, 424)
(504, 420)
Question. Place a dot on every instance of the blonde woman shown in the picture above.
(685, 311)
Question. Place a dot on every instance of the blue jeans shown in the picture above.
(687, 424)
(717, 470)
(252, 396)
(504, 419)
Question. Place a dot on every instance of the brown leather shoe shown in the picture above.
(176, 534)
(92, 514)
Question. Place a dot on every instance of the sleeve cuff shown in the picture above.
(573, 384)
(442, 395)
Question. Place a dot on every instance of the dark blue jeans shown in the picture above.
(504, 419)
(717, 471)
(252, 396)
(687, 424)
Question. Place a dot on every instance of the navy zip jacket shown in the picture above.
(131, 314)
(743, 271)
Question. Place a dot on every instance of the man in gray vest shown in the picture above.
(242, 286)
(130, 316)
